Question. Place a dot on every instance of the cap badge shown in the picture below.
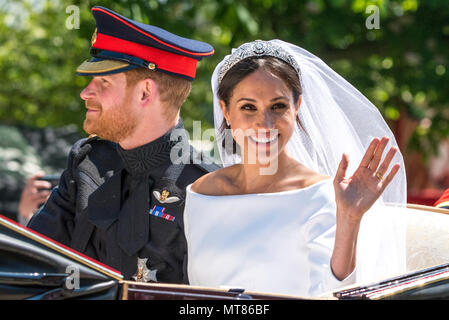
(94, 37)
(164, 197)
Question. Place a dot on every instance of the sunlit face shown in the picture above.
(109, 103)
(262, 115)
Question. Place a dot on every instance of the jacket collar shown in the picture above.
(141, 160)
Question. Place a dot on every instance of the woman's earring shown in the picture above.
(227, 122)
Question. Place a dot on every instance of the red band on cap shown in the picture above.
(163, 60)
(152, 37)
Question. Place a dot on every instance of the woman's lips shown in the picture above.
(264, 141)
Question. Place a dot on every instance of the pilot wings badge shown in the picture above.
(164, 196)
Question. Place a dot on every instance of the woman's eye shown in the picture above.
(248, 107)
(278, 106)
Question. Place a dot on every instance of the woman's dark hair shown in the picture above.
(247, 66)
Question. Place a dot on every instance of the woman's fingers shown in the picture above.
(386, 163)
(342, 167)
(369, 153)
(377, 156)
(390, 176)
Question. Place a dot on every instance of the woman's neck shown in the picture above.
(261, 178)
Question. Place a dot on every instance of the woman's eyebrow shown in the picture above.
(279, 98)
(246, 99)
(254, 100)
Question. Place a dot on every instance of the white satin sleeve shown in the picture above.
(319, 236)
(381, 249)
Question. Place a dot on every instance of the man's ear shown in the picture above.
(147, 91)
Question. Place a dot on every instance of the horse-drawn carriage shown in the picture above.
(35, 267)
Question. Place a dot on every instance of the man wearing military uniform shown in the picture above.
(121, 198)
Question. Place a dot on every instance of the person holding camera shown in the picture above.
(33, 195)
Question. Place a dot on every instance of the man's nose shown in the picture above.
(88, 92)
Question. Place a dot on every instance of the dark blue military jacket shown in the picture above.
(118, 205)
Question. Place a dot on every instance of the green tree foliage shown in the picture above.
(402, 67)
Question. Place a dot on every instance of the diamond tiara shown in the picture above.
(257, 48)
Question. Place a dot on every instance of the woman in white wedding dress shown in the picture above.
(285, 212)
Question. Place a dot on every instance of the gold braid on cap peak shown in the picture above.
(257, 48)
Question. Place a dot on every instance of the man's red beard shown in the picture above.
(114, 125)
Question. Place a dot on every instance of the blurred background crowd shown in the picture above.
(400, 62)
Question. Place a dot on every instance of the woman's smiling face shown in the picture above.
(262, 115)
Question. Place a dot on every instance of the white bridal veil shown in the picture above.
(337, 118)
